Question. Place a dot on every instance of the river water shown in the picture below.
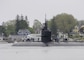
(8, 52)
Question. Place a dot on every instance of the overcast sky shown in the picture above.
(36, 9)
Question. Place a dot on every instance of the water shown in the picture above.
(8, 52)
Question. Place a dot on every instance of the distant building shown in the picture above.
(76, 29)
(22, 35)
(82, 29)
(17, 38)
(34, 37)
(23, 32)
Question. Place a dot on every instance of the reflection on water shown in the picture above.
(8, 52)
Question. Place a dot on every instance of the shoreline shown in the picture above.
(49, 44)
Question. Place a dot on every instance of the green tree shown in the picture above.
(31, 29)
(21, 24)
(65, 22)
(81, 22)
(1, 29)
(53, 27)
(37, 26)
(9, 27)
(17, 23)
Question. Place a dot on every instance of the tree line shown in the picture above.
(62, 22)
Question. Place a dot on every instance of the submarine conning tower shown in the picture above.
(45, 33)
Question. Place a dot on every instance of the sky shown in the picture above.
(36, 9)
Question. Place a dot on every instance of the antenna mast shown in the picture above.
(45, 22)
